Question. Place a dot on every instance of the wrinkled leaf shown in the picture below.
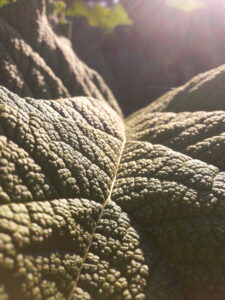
(56, 69)
(92, 207)
(91, 211)
(203, 92)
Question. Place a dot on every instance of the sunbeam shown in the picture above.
(185, 5)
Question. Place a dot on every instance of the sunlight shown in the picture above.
(184, 5)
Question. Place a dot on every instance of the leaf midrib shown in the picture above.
(100, 216)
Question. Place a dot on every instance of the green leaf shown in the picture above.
(60, 9)
(62, 181)
(99, 15)
(42, 64)
(91, 212)
(204, 91)
(93, 206)
(3, 2)
(60, 6)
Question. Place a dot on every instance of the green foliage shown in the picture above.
(60, 9)
(91, 211)
(60, 6)
(5, 2)
(99, 15)
(93, 206)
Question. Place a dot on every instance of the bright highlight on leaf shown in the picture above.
(185, 5)
(99, 15)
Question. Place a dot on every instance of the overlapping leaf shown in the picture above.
(35, 62)
(203, 92)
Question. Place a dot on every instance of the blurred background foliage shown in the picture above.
(5, 2)
(142, 48)
(103, 14)
(100, 15)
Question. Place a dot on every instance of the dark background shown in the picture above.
(163, 48)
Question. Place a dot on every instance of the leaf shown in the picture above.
(99, 15)
(60, 6)
(199, 134)
(203, 92)
(58, 71)
(23, 70)
(64, 158)
(91, 212)
(5, 2)
(92, 208)
(59, 11)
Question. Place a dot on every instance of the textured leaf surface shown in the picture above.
(23, 71)
(58, 161)
(87, 213)
(203, 92)
(56, 70)
(199, 134)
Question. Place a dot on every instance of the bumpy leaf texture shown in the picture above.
(35, 62)
(95, 208)
(205, 91)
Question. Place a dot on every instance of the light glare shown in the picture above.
(185, 5)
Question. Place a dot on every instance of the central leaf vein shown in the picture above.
(99, 218)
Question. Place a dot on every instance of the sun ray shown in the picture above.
(185, 5)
